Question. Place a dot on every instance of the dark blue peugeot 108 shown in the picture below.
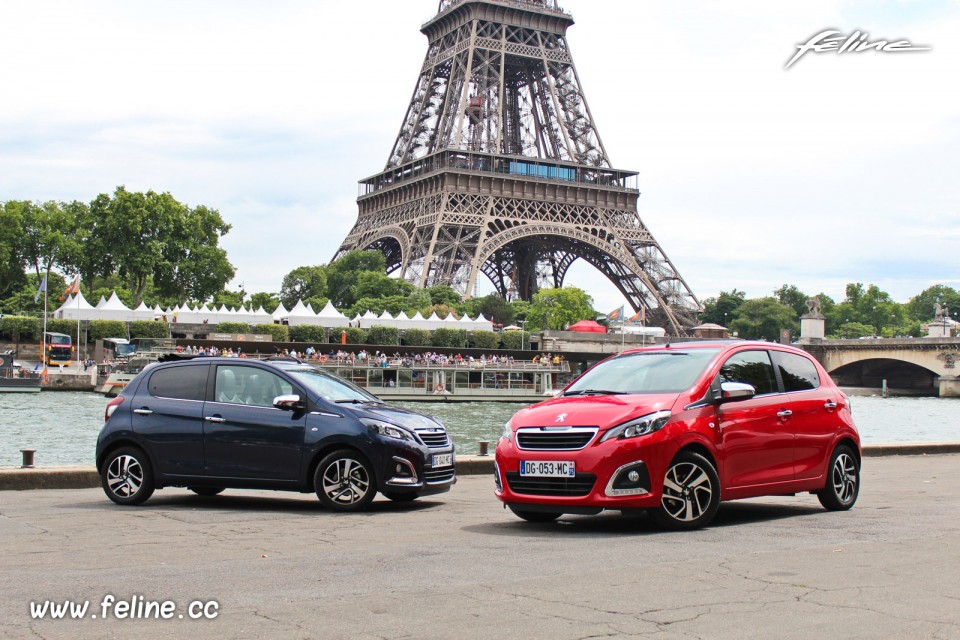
(209, 424)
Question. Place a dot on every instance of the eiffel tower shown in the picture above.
(499, 170)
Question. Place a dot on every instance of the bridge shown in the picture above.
(910, 366)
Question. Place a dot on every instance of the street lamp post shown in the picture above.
(523, 330)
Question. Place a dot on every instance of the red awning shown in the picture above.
(587, 326)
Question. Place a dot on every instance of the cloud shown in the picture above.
(840, 169)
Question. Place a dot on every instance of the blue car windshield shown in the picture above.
(328, 386)
(666, 371)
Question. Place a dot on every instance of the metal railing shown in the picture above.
(406, 363)
(551, 6)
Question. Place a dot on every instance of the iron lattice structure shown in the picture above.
(499, 170)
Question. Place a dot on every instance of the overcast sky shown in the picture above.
(844, 168)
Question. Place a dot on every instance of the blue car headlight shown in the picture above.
(386, 429)
(650, 423)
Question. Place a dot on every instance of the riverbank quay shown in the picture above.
(83, 477)
(459, 566)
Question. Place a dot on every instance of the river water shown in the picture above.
(63, 426)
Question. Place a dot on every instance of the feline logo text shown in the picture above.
(856, 42)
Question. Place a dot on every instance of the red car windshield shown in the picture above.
(667, 371)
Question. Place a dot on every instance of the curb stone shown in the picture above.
(80, 477)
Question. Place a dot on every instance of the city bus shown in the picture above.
(59, 348)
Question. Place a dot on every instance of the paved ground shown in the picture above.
(458, 566)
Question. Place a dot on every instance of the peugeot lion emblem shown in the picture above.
(561, 417)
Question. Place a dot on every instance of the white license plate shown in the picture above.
(548, 468)
(442, 459)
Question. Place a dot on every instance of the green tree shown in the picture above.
(371, 284)
(303, 283)
(723, 309)
(763, 318)
(193, 265)
(144, 235)
(521, 311)
(866, 306)
(49, 239)
(268, 301)
(922, 306)
(230, 299)
(791, 296)
(12, 257)
(441, 310)
(342, 275)
(559, 308)
(493, 308)
(851, 330)
(442, 294)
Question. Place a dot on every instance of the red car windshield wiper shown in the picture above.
(594, 392)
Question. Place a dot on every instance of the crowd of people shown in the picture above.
(428, 358)
(212, 351)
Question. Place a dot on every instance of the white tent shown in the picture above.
(114, 309)
(185, 314)
(481, 324)
(386, 319)
(143, 312)
(260, 316)
(101, 302)
(434, 321)
(302, 314)
(418, 322)
(368, 319)
(280, 313)
(76, 308)
(330, 317)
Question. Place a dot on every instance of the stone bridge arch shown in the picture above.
(920, 366)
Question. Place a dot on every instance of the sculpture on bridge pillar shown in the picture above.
(940, 313)
(941, 326)
(813, 325)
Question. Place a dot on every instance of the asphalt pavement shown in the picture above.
(254, 564)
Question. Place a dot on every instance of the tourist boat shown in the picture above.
(14, 379)
(464, 381)
(119, 373)
(408, 379)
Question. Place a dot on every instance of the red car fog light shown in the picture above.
(631, 479)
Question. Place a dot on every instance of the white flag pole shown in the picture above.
(78, 324)
(43, 340)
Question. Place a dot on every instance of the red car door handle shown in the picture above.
(830, 405)
(783, 414)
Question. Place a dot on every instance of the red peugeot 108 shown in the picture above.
(675, 429)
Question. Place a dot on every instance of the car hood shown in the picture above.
(592, 411)
(395, 415)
